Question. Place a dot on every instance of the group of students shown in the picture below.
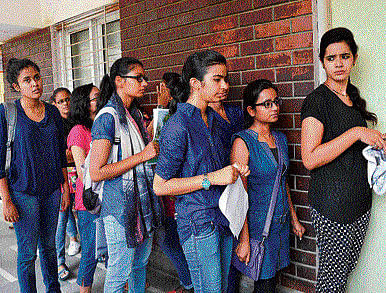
(204, 146)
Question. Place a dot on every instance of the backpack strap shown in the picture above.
(11, 118)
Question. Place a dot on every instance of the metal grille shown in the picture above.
(84, 47)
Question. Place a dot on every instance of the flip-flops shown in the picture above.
(64, 273)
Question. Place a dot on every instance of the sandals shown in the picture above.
(63, 273)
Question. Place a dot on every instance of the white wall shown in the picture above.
(367, 20)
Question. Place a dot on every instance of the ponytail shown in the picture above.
(107, 88)
(360, 104)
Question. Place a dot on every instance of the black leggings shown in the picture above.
(265, 286)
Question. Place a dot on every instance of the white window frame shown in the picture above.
(61, 45)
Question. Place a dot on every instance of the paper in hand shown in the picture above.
(233, 204)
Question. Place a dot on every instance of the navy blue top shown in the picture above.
(236, 119)
(189, 148)
(39, 152)
(263, 167)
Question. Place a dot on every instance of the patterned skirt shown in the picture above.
(339, 248)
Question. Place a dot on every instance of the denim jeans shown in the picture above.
(125, 264)
(170, 245)
(38, 218)
(208, 254)
(66, 221)
(88, 261)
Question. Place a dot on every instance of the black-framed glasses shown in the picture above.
(269, 103)
(139, 78)
(60, 102)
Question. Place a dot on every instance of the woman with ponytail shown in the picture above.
(192, 166)
(130, 210)
(334, 133)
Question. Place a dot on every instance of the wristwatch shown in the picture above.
(205, 182)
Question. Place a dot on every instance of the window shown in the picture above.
(85, 47)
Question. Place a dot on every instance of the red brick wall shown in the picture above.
(36, 46)
(260, 39)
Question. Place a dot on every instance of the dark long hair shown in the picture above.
(174, 83)
(337, 35)
(14, 67)
(57, 91)
(196, 66)
(80, 105)
(251, 94)
(120, 67)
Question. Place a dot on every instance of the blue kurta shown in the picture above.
(263, 167)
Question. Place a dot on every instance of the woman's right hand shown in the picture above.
(10, 212)
(371, 137)
(243, 251)
(224, 176)
(150, 151)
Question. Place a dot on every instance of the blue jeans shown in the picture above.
(170, 245)
(66, 220)
(38, 216)
(208, 254)
(125, 264)
(88, 261)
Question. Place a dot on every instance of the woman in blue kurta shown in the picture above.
(260, 147)
(191, 166)
(31, 190)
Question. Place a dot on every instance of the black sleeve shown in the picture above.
(314, 106)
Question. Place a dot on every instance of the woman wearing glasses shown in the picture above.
(130, 210)
(260, 148)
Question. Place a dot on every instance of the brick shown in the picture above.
(284, 90)
(298, 121)
(303, 214)
(291, 151)
(256, 47)
(263, 3)
(293, 136)
(292, 242)
(302, 56)
(240, 64)
(306, 244)
(291, 269)
(249, 76)
(291, 105)
(299, 197)
(302, 89)
(293, 9)
(273, 60)
(302, 23)
(302, 183)
(285, 121)
(234, 78)
(228, 51)
(235, 93)
(301, 40)
(302, 257)
(291, 181)
(133, 9)
(298, 154)
(271, 29)
(300, 285)
(295, 73)
(310, 232)
(306, 273)
(254, 17)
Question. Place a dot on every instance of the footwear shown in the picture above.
(73, 248)
(63, 272)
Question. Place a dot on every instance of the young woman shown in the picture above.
(82, 113)
(31, 191)
(191, 167)
(334, 133)
(61, 99)
(259, 147)
(130, 210)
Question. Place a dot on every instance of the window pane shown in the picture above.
(80, 57)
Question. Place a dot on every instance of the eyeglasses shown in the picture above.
(93, 99)
(269, 103)
(66, 100)
(139, 78)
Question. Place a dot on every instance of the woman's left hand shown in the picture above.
(243, 251)
(298, 228)
(65, 203)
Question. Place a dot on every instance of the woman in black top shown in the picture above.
(334, 133)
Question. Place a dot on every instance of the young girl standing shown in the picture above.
(334, 133)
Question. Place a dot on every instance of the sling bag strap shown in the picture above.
(11, 118)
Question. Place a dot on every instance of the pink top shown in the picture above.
(79, 136)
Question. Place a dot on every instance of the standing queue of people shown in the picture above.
(204, 146)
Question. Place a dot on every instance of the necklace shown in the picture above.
(344, 95)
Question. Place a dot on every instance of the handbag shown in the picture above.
(253, 268)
